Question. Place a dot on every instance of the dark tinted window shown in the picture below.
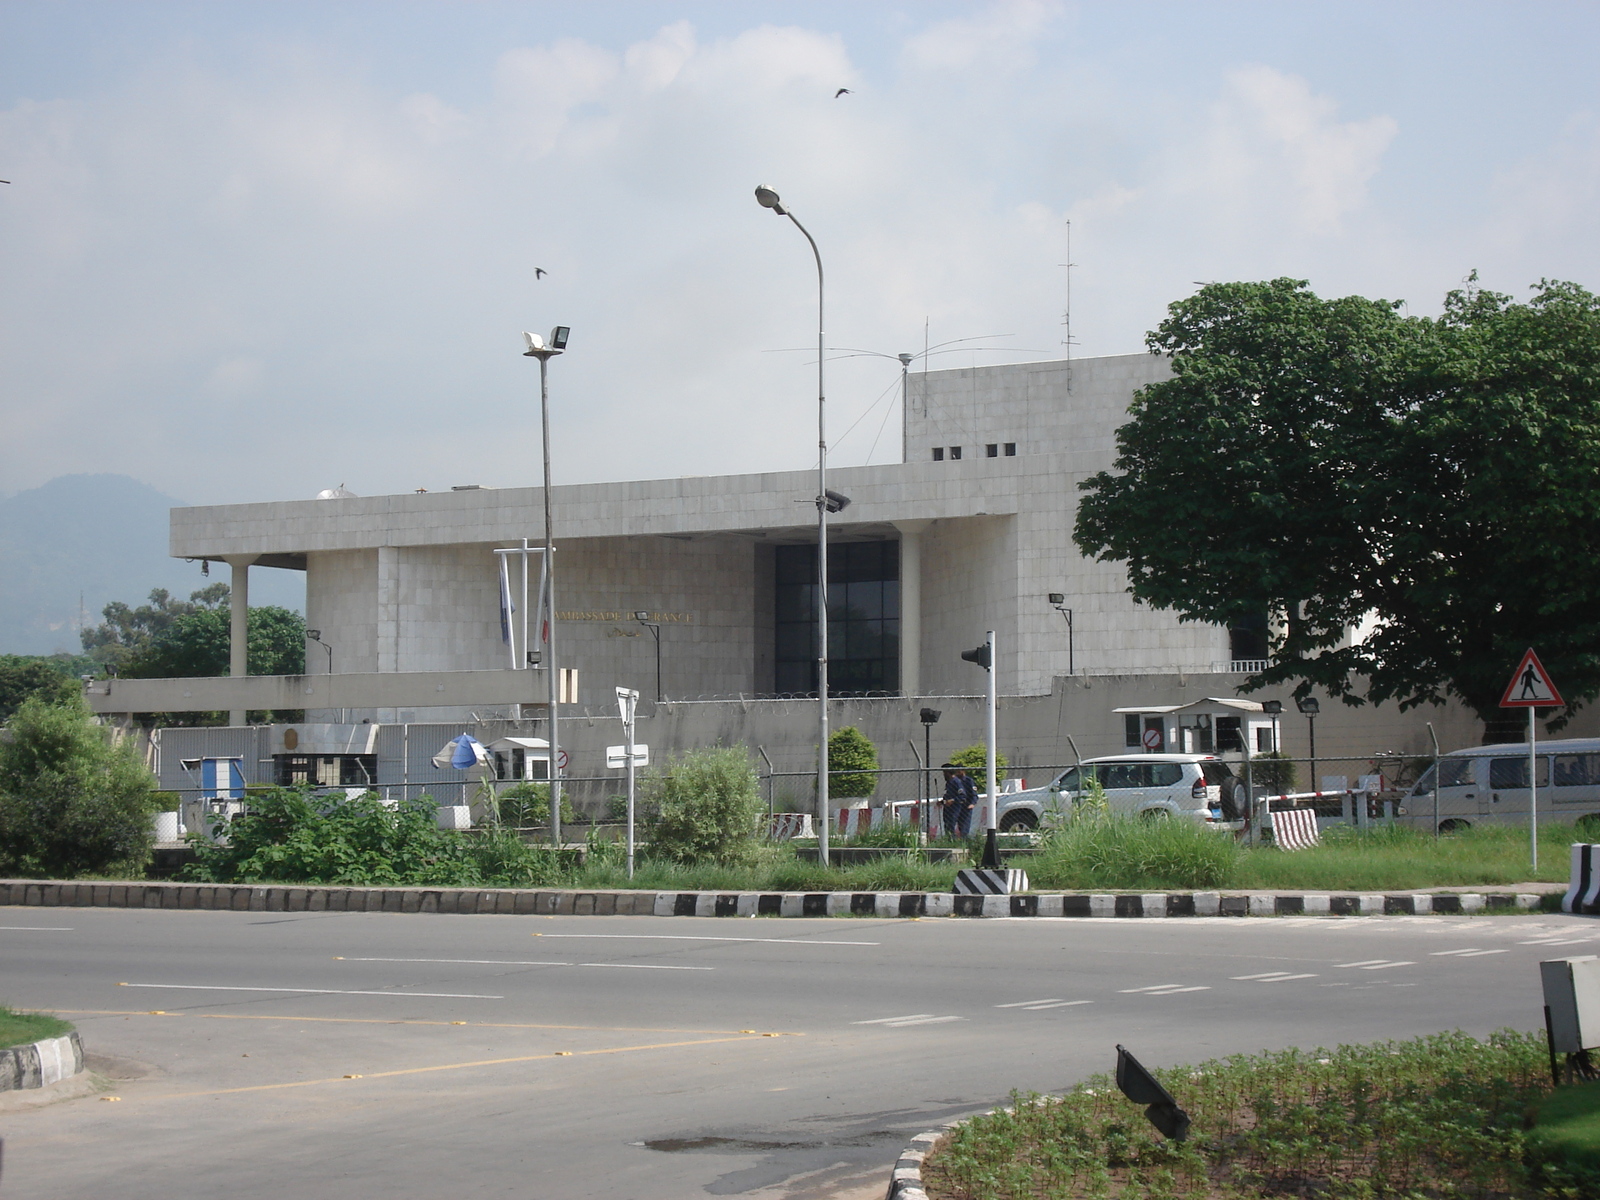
(863, 618)
(1165, 774)
(1513, 772)
(1577, 770)
(1123, 775)
(1130, 730)
(1215, 772)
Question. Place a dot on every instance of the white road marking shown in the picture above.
(36, 928)
(1163, 989)
(1056, 1004)
(1481, 953)
(218, 987)
(1558, 942)
(1471, 952)
(519, 962)
(1270, 977)
(1366, 962)
(687, 937)
(925, 1021)
(1384, 966)
(891, 1020)
(1026, 1003)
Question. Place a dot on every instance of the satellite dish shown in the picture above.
(336, 493)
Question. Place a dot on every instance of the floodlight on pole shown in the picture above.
(1058, 601)
(826, 502)
(1311, 706)
(544, 350)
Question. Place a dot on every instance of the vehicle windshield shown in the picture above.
(1457, 772)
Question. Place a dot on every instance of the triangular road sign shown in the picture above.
(1531, 686)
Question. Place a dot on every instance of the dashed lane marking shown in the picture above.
(1468, 953)
(517, 962)
(1162, 989)
(300, 1020)
(912, 1019)
(219, 987)
(1040, 1005)
(1270, 977)
(36, 928)
(689, 937)
(1377, 964)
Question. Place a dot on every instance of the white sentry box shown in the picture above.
(1572, 993)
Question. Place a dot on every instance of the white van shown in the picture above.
(1488, 785)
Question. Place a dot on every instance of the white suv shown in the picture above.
(1198, 786)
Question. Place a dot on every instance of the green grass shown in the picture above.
(20, 1028)
(1440, 1116)
(1564, 1145)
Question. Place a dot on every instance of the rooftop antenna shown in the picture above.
(1066, 317)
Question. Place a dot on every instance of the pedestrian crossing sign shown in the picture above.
(1531, 686)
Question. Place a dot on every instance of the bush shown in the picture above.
(852, 765)
(708, 806)
(975, 759)
(1273, 771)
(71, 803)
(288, 835)
(528, 804)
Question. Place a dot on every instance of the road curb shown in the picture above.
(39, 1064)
(39, 893)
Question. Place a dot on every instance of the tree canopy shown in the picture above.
(1339, 463)
(171, 638)
(26, 676)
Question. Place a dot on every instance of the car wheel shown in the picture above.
(1154, 814)
(1453, 826)
(1019, 819)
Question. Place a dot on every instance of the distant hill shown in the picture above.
(103, 537)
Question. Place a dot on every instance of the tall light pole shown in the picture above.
(544, 351)
(768, 198)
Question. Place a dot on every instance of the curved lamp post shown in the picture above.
(768, 198)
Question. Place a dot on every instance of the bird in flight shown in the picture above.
(843, 92)
(539, 272)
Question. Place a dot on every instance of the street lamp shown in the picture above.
(1273, 708)
(826, 502)
(1310, 706)
(655, 631)
(1059, 602)
(544, 350)
(930, 718)
(315, 635)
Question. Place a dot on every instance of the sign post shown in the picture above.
(1531, 688)
(628, 703)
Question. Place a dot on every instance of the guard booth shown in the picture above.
(1228, 728)
(220, 794)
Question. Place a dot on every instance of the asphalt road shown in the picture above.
(325, 1055)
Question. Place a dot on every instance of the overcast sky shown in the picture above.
(252, 250)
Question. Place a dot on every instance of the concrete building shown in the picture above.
(971, 532)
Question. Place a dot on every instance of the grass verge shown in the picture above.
(1438, 1116)
(20, 1028)
(1564, 1145)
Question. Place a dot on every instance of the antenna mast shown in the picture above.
(1066, 317)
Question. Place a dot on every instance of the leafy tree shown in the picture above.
(71, 802)
(169, 638)
(708, 806)
(852, 764)
(1335, 461)
(22, 677)
(975, 760)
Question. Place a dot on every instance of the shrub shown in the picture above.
(288, 835)
(71, 803)
(975, 759)
(1273, 771)
(708, 806)
(528, 804)
(852, 764)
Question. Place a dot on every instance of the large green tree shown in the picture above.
(1337, 462)
(72, 802)
(25, 676)
(170, 638)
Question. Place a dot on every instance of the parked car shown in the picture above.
(1489, 785)
(1198, 786)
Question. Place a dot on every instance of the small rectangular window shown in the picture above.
(992, 450)
(938, 454)
(1011, 449)
(1130, 729)
(955, 452)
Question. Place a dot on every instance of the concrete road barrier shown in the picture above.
(39, 1064)
(573, 902)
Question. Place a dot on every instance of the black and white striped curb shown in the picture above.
(532, 902)
(905, 1181)
(39, 1064)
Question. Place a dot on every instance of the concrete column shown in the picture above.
(911, 606)
(239, 626)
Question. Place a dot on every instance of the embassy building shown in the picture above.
(970, 532)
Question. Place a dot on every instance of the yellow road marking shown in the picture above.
(118, 1012)
(461, 1066)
